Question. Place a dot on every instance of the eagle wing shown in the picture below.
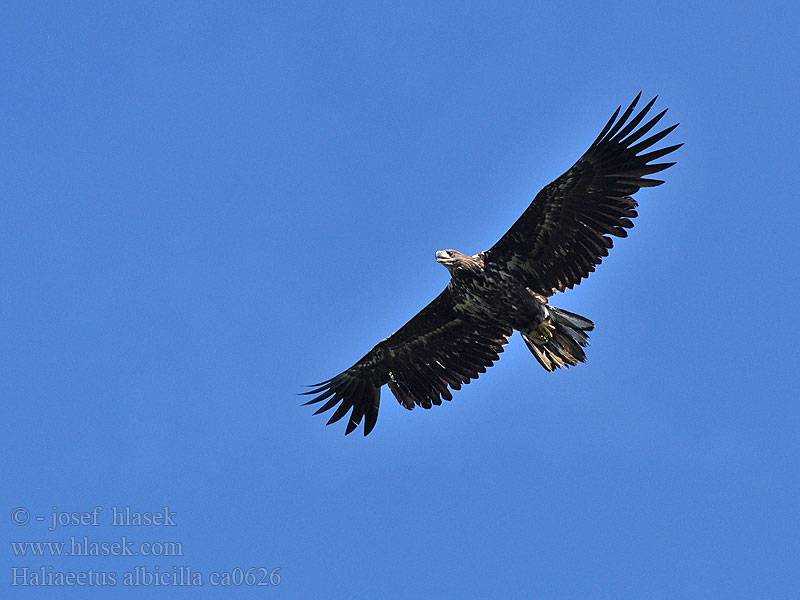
(564, 233)
(439, 348)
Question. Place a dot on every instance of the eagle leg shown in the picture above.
(545, 333)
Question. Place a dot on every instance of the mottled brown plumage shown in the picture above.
(557, 242)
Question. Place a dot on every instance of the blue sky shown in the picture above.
(207, 205)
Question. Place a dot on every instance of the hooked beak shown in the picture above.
(440, 256)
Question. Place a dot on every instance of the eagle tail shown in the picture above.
(562, 346)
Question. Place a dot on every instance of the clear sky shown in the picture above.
(207, 205)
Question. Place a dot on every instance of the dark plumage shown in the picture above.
(557, 242)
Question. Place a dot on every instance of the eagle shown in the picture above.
(559, 239)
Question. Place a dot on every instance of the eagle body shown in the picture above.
(488, 292)
(556, 243)
(483, 291)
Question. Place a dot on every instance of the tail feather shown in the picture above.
(565, 347)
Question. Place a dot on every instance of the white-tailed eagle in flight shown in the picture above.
(557, 242)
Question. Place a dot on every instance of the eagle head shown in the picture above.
(454, 260)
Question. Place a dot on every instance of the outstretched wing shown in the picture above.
(438, 349)
(564, 233)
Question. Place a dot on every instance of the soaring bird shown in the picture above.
(556, 243)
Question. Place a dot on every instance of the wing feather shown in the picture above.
(436, 351)
(564, 233)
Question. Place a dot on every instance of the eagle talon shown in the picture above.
(545, 334)
(546, 329)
